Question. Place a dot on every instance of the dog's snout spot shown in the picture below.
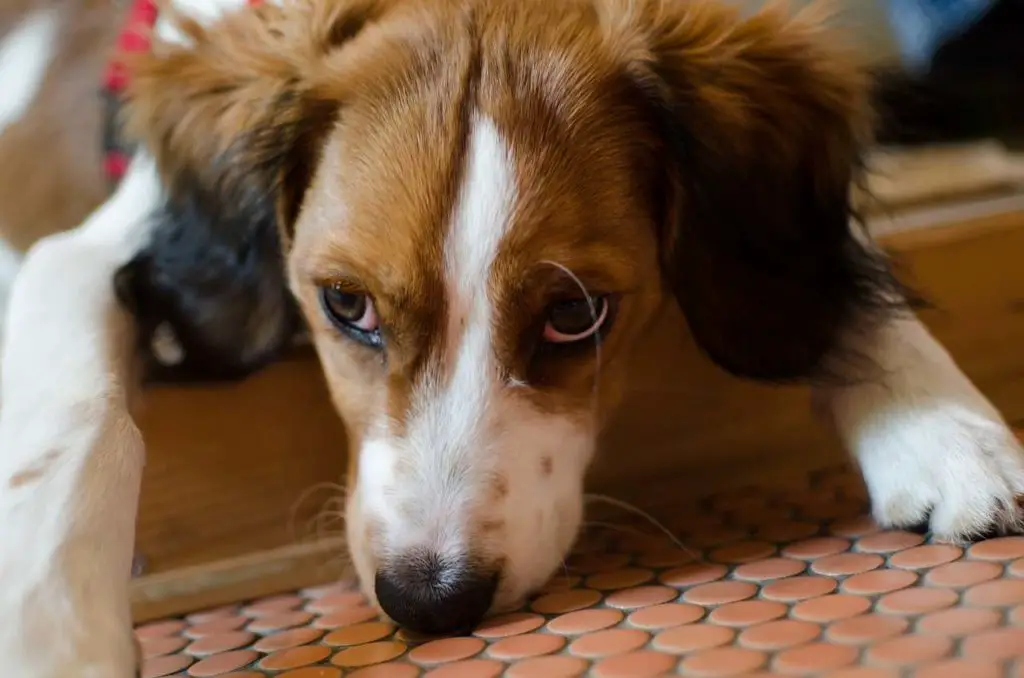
(432, 595)
(547, 465)
(499, 487)
(491, 526)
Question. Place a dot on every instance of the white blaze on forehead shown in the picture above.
(446, 450)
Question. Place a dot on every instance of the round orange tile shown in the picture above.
(295, 657)
(224, 662)
(922, 557)
(371, 653)
(910, 650)
(866, 628)
(747, 613)
(1004, 548)
(567, 601)
(769, 568)
(273, 606)
(960, 668)
(156, 667)
(723, 661)
(693, 575)
(958, 621)
(778, 635)
(288, 639)
(720, 593)
(819, 547)
(221, 642)
(520, 647)
(879, 582)
(446, 650)
(468, 668)
(1002, 593)
(279, 621)
(916, 601)
(963, 573)
(996, 644)
(358, 634)
(354, 615)
(845, 564)
(338, 601)
(386, 670)
(512, 624)
(831, 608)
(584, 621)
(163, 628)
(212, 613)
(157, 646)
(666, 616)
(548, 667)
(852, 528)
(684, 639)
(608, 642)
(889, 542)
(815, 658)
(639, 664)
(799, 588)
(216, 625)
(641, 596)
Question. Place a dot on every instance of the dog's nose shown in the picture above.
(429, 595)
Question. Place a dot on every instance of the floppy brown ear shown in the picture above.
(235, 121)
(236, 110)
(763, 122)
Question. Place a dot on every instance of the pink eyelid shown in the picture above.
(553, 336)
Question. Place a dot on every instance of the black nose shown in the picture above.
(428, 594)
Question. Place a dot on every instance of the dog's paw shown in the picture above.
(955, 472)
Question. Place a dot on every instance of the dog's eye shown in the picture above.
(573, 320)
(352, 313)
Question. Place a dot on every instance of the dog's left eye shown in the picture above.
(353, 313)
(574, 320)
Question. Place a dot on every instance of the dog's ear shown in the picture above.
(234, 119)
(762, 121)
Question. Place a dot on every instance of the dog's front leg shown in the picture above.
(933, 450)
(71, 457)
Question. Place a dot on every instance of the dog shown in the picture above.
(476, 208)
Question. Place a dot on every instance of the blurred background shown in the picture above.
(949, 70)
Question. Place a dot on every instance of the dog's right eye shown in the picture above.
(353, 313)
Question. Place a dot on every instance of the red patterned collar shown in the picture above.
(135, 37)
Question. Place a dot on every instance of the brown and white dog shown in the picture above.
(478, 206)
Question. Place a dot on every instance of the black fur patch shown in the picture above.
(214, 272)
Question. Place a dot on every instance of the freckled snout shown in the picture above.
(433, 595)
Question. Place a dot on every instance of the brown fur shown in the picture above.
(52, 174)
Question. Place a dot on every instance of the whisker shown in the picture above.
(629, 508)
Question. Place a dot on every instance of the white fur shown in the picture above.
(469, 425)
(71, 462)
(927, 441)
(24, 55)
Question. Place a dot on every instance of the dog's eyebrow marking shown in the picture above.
(547, 465)
(499, 487)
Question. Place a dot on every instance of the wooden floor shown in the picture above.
(236, 475)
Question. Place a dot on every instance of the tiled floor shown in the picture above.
(775, 581)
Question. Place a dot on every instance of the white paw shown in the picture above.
(953, 469)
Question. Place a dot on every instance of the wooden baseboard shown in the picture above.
(228, 466)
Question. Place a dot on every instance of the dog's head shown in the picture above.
(482, 204)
